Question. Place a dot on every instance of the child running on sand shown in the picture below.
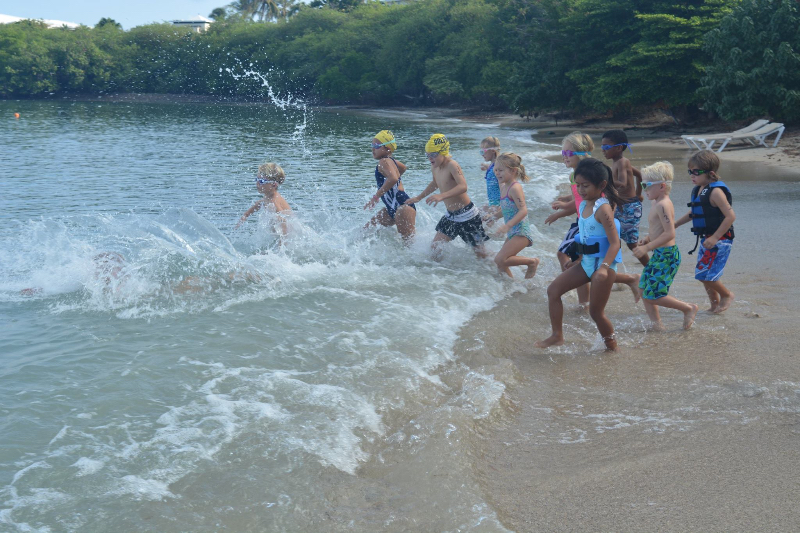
(390, 189)
(270, 176)
(490, 148)
(629, 214)
(509, 169)
(599, 246)
(575, 147)
(712, 221)
(462, 218)
(663, 265)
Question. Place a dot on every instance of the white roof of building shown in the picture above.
(51, 23)
(195, 19)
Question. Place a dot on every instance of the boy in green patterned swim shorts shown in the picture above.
(663, 265)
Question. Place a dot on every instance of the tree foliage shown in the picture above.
(754, 67)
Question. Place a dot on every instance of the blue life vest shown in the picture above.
(596, 246)
(706, 219)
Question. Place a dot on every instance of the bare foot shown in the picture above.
(637, 292)
(724, 304)
(611, 343)
(656, 326)
(582, 307)
(688, 317)
(552, 340)
(532, 269)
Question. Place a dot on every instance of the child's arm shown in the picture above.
(720, 201)
(606, 217)
(460, 188)
(638, 177)
(249, 212)
(429, 189)
(392, 174)
(518, 195)
(684, 219)
(666, 214)
(400, 167)
(568, 210)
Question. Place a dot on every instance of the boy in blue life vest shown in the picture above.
(712, 221)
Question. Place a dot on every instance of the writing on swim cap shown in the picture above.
(438, 143)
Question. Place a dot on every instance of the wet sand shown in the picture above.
(693, 430)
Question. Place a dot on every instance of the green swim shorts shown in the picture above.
(659, 272)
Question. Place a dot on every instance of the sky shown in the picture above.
(128, 13)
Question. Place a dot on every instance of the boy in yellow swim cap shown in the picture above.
(390, 189)
(462, 218)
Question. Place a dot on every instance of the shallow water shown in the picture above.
(219, 380)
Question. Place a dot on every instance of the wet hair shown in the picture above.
(617, 137)
(706, 160)
(509, 160)
(580, 142)
(660, 171)
(595, 172)
(272, 172)
(490, 142)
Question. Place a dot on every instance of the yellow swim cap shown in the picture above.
(438, 143)
(386, 138)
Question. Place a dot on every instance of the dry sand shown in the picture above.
(693, 430)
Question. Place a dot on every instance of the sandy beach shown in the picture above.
(680, 431)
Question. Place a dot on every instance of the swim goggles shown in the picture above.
(570, 153)
(375, 146)
(431, 155)
(697, 171)
(262, 181)
(646, 184)
(610, 146)
(484, 150)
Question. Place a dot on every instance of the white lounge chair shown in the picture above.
(689, 139)
(754, 137)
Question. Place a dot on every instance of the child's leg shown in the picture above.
(405, 218)
(720, 294)
(439, 240)
(689, 310)
(571, 278)
(602, 283)
(507, 256)
(380, 219)
(653, 315)
(644, 259)
(583, 290)
(632, 281)
(713, 296)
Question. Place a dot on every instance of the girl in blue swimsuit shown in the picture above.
(596, 221)
(390, 189)
(509, 168)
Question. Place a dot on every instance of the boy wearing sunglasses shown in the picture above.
(660, 271)
(269, 177)
(627, 180)
(712, 221)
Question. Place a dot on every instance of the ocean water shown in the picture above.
(212, 378)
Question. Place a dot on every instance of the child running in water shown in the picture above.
(599, 246)
(712, 221)
(663, 265)
(270, 176)
(390, 189)
(462, 218)
(627, 180)
(575, 147)
(509, 169)
(490, 148)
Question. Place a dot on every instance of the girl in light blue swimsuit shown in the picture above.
(490, 148)
(509, 169)
(599, 245)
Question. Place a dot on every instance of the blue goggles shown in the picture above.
(610, 146)
(375, 146)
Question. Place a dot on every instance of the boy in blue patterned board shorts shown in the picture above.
(663, 265)
(712, 221)
(627, 180)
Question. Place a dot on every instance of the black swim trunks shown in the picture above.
(465, 223)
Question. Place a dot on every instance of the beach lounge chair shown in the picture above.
(754, 137)
(689, 139)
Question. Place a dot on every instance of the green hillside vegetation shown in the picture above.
(736, 58)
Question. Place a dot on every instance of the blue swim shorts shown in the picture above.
(711, 263)
(659, 273)
(629, 215)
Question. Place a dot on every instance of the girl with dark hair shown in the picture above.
(599, 245)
